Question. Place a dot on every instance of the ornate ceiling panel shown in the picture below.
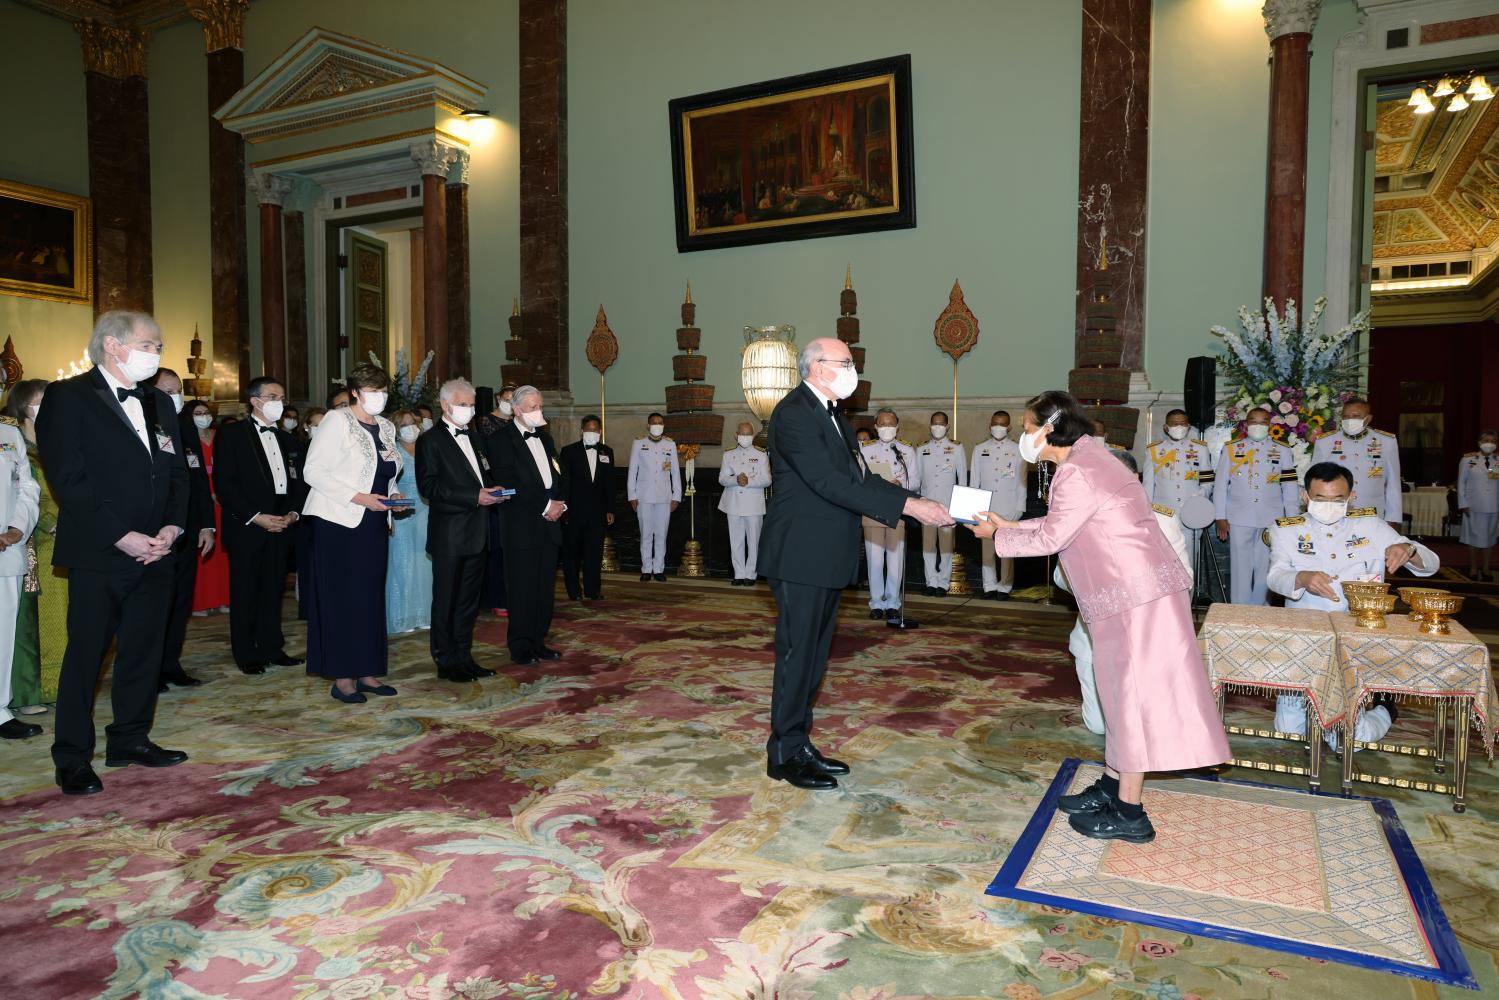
(145, 13)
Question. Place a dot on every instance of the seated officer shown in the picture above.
(1310, 557)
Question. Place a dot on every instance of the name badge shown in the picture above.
(164, 442)
(483, 463)
(604, 459)
(192, 461)
(665, 466)
(291, 471)
(387, 456)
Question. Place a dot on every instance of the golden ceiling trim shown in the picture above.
(113, 50)
(361, 144)
(223, 22)
(144, 13)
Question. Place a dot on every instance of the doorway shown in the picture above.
(373, 279)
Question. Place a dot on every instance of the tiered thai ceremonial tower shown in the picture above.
(1101, 383)
(690, 419)
(848, 332)
(516, 371)
(197, 385)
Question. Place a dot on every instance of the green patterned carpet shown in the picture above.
(604, 828)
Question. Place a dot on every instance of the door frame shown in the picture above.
(331, 287)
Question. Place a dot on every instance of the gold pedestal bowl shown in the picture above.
(1368, 610)
(1410, 595)
(1436, 610)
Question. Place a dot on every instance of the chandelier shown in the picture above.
(768, 369)
(1460, 91)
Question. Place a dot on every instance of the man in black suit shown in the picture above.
(525, 460)
(197, 539)
(453, 475)
(113, 456)
(260, 491)
(588, 466)
(809, 549)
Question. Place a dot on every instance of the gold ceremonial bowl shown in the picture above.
(1411, 594)
(1356, 588)
(1436, 609)
(1369, 609)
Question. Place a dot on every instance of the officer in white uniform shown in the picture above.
(1311, 555)
(744, 474)
(885, 547)
(943, 465)
(1478, 501)
(998, 468)
(654, 488)
(1177, 468)
(1254, 483)
(1372, 456)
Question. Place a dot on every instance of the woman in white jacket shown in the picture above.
(352, 465)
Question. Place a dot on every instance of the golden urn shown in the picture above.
(1369, 603)
(1436, 609)
(1410, 595)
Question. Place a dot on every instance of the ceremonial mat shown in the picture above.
(1320, 876)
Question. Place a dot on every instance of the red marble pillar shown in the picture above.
(271, 191)
(435, 160)
(1289, 24)
(297, 379)
(460, 344)
(543, 189)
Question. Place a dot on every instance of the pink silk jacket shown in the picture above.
(1102, 525)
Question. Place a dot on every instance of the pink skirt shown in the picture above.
(1158, 708)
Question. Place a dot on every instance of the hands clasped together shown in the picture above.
(147, 549)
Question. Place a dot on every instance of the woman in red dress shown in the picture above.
(211, 591)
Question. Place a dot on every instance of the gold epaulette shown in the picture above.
(1376, 430)
(9, 420)
(1286, 522)
(1164, 511)
(1362, 512)
(758, 448)
(906, 443)
(1200, 441)
(1470, 454)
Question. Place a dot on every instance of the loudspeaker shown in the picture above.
(1200, 391)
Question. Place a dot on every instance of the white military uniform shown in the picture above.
(1478, 490)
(942, 465)
(1254, 483)
(20, 500)
(744, 505)
(884, 546)
(1174, 472)
(655, 480)
(1374, 459)
(998, 468)
(1352, 549)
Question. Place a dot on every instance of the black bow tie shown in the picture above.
(460, 432)
(832, 407)
(591, 447)
(527, 435)
(125, 394)
(262, 428)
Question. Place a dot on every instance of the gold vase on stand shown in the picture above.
(693, 565)
(692, 560)
(610, 562)
(958, 585)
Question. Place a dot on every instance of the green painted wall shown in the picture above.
(995, 86)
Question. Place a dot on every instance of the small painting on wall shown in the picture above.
(46, 242)
(821, 154)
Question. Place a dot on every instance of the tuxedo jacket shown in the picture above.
(811, 533)
(515, 468)
(589, 496)
(199, 487)
(456, 524)
(107, 483)
(242, 480)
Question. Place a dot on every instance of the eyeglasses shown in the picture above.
(839, 362)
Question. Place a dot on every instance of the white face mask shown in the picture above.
(887, 433)
(534, 419)
(427, 421)
(999, 431)
(590, 438)
(1327, 512)
(373, 402)
(140, 365)
(289, 424)
(271, 410)
(410, 432)
(1487, 447)
(176, 398)
(202, 421)
(36, 408)
(745, 440)
(1354, 425)
(1177, 432)
(1258, 432)
(1030, 444)
(656, 430)
(460, 416)
(939, 431)
(845, 382)
(506, 410)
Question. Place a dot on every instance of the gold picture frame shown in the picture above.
(46, 244)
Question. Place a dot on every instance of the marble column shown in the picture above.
(543, 189)
(270, 193)
(1289, 24)
(223, 33)
(119, 158)
(460, 332)
(297, 381)
(435, 159)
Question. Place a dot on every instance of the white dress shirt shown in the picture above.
(272, 449)
(465, 445)
(593, 461)
(132, 406)
(539, 453)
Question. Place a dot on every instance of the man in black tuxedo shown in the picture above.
(453, 475)
(809, 549)
(526, 461)
(588, 466)
(260, 491)
(113, 456)
(197, 539)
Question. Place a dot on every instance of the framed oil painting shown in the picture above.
(46, 244)
(821, 154)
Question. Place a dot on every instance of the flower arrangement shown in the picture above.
(1298, 373)
(409, 391)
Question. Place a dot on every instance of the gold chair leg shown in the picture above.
(1350, 722)
(1314, 778)
(1439, 739)
(1462, 717)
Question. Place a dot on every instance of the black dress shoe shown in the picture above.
(145, 753)
(286, 661)
(574, 597)
(1109, 824)
(522, 659)
(660, 577)
(1001, 595)
(460, 674)
(548, 653)
(253, 669)
(1090, 799)
(15, 729)
(593, 597)
(181, 680)
(478, 671)
(891, 614)
(876, 614)
(78, 779)
(384, 690)
(803, 771)
(645, 578)
(828, 765)
(926, 591)
(355, 697)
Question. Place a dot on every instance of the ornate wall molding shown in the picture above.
(458, 174)
(270, 189)
(434, 157)
(1290, 17)
(113, 50)
(223, 22)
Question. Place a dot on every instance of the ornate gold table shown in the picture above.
(1451, 671)
(1263, 650)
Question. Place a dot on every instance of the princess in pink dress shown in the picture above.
(1131, 589)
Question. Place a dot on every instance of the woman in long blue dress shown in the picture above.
(408, 580)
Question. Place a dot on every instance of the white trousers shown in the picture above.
(744, 543)
(653, 519)
(885, 552)
(1006, 580)
(1080, 645)
(1249, 564)
(10, 603)
(1193, 538)
(1290, 717)
(931, 539)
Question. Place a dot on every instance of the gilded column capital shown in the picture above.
(435, 157)
(1290, 17)
(223, 22)
(459, 173)
(270, 189)
(115, 50)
